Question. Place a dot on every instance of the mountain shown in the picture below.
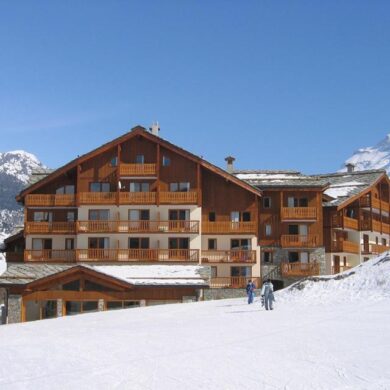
(15, 171)
(372, 157)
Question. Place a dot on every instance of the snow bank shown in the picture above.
(369, 281)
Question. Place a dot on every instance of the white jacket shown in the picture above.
(269, 286)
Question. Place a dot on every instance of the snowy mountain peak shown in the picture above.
(372, 157)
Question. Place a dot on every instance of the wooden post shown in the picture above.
(158, 175)
(371, 219)
(199, 184)
(78, 171)
(380, 205)
(118, 176)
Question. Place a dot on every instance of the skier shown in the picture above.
(267, 294)
(250, 291)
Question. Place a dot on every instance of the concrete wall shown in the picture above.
(14, 308)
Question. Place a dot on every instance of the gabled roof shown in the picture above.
(137, 131)
(120, 274)
(345, 188)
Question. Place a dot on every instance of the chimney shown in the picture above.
(229, 166)
(155, 129)
(350, 167)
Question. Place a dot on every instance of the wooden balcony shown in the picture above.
(299, 213)
(154, 255)
(138, 227)
(50, 200)
(232, 256)
(190, 197)
(378, 249)
(374, 225)
(343, 222)
(50, 255)
(345, 246)
(50, 227)
(97, 198)
(228, 227)
(234, 282)
(137, 197)
(137, 170)
(299, 269)
(299, 241)
(377, 204)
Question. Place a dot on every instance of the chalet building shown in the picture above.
(135, 201)
(356, 217)
(291, 224)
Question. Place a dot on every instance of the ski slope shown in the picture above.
(327, 333)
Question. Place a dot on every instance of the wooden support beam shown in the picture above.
(158, 166)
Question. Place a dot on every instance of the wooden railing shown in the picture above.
(299, 213)
(50, 227)
(345, 246)
(299, 269)
(55, 255)
(341, 268)
(137, 197)
(138, 226)
(50, 200)
(228, 227)
(190, 197)
(14, 256)
(375, 202)
(232, 256)
(234, 282)
(299, 241)
(137, 169)
(340, 221)
(97, 197)
(378, 249)
(375, 225)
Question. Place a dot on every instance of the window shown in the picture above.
(179, 215)
(179, 187)
(74, 285)
(98, 243)
(138, 243)
(43, 216)
(384, 241)
(246, 216)
(69, 244)
(303, 202)
(293, 229)
(99, 215)
(70, 216)
(140, 159)
(99, 187)
(240, 244)
(178, 243)
(212, 244)
(114, 305)
(267, 202)
(166, 161)
(241, 271)
(114, 162)
(68, 189)
(212, 216)
(214, 272)
(235, 216)
(304, 257)
(139, 215)
(139, 187)
(292, 202)
(267, 257)
(268, 230)
(293, 257)
(41, 244)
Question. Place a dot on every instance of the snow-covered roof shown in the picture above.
(140, 275)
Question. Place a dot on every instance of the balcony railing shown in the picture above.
(299, 269)
(299, 241)
(190, 197)
(341, 268)
(54, 255)
(299, 213)
(50, 200)
(378, 249)
(228, 227)
(232, 256)
(50, 227)
(138, 226)
(345, 246)
(376, 203)
(137, 169)
(97, 197)
(343, 222)
(234, 282)
(137, 197)
(377, 226)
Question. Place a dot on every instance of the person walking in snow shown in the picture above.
(267, 293)
(250, 291)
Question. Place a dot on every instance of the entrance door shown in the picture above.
(336, 264)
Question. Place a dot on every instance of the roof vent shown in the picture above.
(155, 129)
(350, 167)
(229, 165)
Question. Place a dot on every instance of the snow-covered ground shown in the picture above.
(333, 333)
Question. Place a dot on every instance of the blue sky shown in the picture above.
(277, 84)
